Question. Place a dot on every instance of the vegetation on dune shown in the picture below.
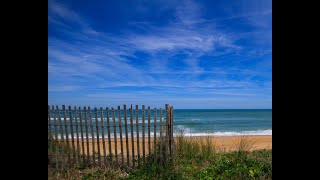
(193, 159)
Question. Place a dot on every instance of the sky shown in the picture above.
(204, 54)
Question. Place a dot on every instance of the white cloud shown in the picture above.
(106, 61)
(175, 39)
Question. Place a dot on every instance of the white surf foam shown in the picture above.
(240, 133)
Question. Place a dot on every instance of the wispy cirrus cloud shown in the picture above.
(94, 62)
(63, 88)
(175, 38)
(189, 13)
(66, 18)
(89, 55)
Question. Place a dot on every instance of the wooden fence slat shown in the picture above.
(77, 132)
(66, 130)
(50, 134)
(137, 129)
(92, 137)
(109, 136)
(56, 137)
(126, 129)
(87, 134)
(149, 143)
(167, 134)
(155, 134)
(120, 131)
(72, 136)
(163, 147)
(98, 139)
(143, 137)
(115, 136)
(132, 138)
(161, 135)
(62, 139)
(103, 140)
(82, 140)
(172, 130)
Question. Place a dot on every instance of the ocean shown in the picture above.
(223, 122)
(190, 122)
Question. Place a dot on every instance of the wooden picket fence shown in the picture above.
(80, 149)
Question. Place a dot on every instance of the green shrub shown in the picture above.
(193, 159)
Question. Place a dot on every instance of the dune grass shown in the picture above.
(194, 158)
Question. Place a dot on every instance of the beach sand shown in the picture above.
(221, 143)
(229, 143)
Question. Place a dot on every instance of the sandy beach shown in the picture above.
(221, 143)
(232, 142)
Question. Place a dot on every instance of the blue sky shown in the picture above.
(190, 54)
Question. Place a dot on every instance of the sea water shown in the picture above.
(190, 122)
